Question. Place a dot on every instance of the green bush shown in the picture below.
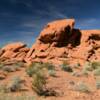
(34, 68)
(39, 82)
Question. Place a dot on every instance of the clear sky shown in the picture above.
(22, 20)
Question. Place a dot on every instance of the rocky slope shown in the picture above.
(58, 41)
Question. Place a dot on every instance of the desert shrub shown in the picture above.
(33, 68)
(10, 68)
(90, 66)
(97, 72)
(15, 84)
(49, 66)
(87, 66)
(52, 73)
(66, 67)
(98, 84)
(95, 65)
(39, 83)
(82, 87)
(3, 88)
(85, 72)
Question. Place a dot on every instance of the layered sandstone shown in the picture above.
(58, 41)
(14, 51)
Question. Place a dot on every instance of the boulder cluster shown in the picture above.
(14, 51)
(58, 41)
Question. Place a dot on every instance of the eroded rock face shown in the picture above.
(57, 31)
(16, 51)
(59, 41)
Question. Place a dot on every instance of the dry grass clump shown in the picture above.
(14, 85)
(11, 66)
(39, 73)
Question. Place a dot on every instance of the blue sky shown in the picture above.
(22, 20)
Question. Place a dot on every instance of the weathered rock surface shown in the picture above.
(57, 31)
(12, 51)
(58, 41)
(14, 46)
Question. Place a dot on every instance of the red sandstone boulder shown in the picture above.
(57, 31)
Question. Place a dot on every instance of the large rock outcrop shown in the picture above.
(57, 31)
(59, 41)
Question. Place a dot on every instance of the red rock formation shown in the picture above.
(58, 41)
(15, 51)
